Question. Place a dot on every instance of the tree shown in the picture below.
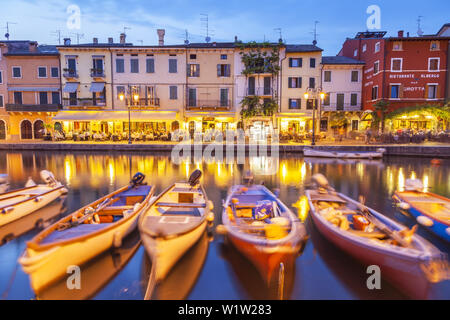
(382, 109)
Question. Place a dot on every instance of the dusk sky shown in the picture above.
(249, 20)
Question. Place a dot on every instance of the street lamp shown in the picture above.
(314, 92)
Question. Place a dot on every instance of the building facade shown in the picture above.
(33, 88)
(4, 116)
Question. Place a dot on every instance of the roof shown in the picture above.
(370, 35)
(302, 48)
(22, 48)
(340, 60)
(447, 25)
(95, 45)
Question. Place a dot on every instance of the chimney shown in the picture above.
(67, 41)
(33, 46)
(407, 34)
(400, 34)
(235, 39)
(110, 40)
(122, 38)
(95, 40)
(161, 33)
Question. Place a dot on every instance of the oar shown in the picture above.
(380, 225)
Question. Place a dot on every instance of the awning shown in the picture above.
(39, 89)
(71, 87)
(136, 116)
(97, 87)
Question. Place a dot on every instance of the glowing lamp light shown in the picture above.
(322, 95)
(136, 97)
(306, 95)
(121, 97)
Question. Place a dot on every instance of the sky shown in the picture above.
(249, 20)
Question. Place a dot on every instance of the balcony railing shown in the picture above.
(259, 91)
(208, 105)
(97, 73)
(70, 73)
(32, 107)
(83, 103)
(344, 107)
(145, 103)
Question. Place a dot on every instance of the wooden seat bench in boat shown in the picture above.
(181, 205)
(73, 232)
(186, 190)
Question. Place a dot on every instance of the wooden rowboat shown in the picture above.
(172, 224)
(430, 210)
(84, 234)
(268, 244)
(19, 203)
(309, 152)
(410, 268)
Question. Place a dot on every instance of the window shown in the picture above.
(295, 103)
(310, 104)
(397, 46)
(42, 72)
(355, 53)
(432, 91)
(312, 83)
(355, 76)
(73, 98)
(224, 97)
(377, 47)
(355, 125)
(1, 102)
(433, 64)
(120, 65)
(223, 70)
(173, 92)
(1, 78)
(43, 98)
(295, 62)
(55, 72)
(395, 90)
(97, 66)
(150, 65)
(326, 99)
(353, 99)
(223, 57)
(16, 72)
(251, 85)
(17, 97)
(134, 65)
(294, 82)
(192, 56)
(193, 70)
(192, 97)
(375, 93)
(434, 46)
(312, 62)
(55, 98)
(396, 64)
(72, 66)
(327, 76)
(120, 91)
(173, 66)
(376, 67)
(340, 101)
(267, 86)
(364, 48)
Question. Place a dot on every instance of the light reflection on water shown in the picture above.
(321, 271)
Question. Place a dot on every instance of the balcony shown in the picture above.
(70, 74)
(11, 107)
(84, 103)
(97, 73)
(260, 91)
(144, 103)
(345, 107)
(209, 105)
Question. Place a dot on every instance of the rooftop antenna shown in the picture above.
(7, 29)
(79, 36)
(125, 29)
(57, 33)
(205, 20)
(314, 33)
(419, 29)
(186, 36)
(280, 39)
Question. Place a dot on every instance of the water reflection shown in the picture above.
(320, 272)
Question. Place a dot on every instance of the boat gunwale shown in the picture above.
(425, 252)
(402, 198)
(289, 239)
(35, 242)
(33, 197)
(154, 202)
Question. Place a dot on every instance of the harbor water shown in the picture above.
(213, 269)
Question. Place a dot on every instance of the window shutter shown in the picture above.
(290, 103)
(218, 70)
(290, 62)
(437, 92)
(299, 82)
(299, 103)
(228, 70)
(426, 91)
(300, 62)
(289, 83)
(400, 91)
(197, 73)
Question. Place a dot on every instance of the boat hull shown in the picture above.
(165, 253)
(47, 266)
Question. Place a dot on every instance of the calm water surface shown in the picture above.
(213, 269)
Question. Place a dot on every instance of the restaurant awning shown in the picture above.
(136, 116)
(38, 89)
(71, 87)
(97, 87)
